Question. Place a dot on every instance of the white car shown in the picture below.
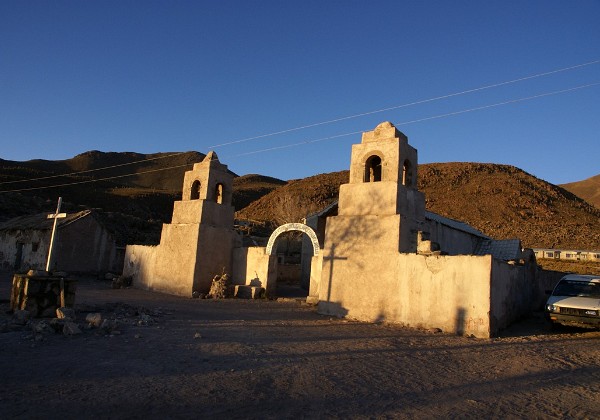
(575, 301)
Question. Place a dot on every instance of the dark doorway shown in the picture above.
(19, 255)
(289, 268)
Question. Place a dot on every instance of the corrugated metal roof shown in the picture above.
(455, 224)
(325, 212)
(503, 249)
(40, 221)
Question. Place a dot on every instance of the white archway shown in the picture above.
(294, 226)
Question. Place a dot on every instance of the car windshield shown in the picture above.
(577, 288)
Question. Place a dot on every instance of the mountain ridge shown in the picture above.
(588, 189)
(500, 200)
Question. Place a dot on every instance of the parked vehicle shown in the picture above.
(575, 301)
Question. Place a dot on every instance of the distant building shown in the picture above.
(83, 244)
(567, 254)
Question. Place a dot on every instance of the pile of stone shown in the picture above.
(108, 319)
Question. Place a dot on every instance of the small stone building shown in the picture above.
(83, 244)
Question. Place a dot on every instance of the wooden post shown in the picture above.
(57, 215)
(62, 292)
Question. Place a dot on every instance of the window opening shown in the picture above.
(219, 194)
(407, 174)
(373, 169)
(195, 193)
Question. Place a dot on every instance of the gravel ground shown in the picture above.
(173, 357)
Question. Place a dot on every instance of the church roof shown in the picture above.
(40, 221)
(502, 249)
(454, 224)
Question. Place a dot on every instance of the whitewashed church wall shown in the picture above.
(139, 263)
(252, 266)
(447, 292)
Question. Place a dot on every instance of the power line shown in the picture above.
(449, 114)
(512, 101)
(319, 123)
(464, 92)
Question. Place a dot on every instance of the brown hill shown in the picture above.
(249, 188)
(501, 201)
(135, 190)
(126, 169)
(296, 199)
(588, 189)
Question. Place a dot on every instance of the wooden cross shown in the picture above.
(56, 215)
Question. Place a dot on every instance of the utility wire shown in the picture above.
(464, 92)
(449, 114)
(512, 101)
(320, 123)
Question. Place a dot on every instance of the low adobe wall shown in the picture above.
(253, 267)
(514, 293)
(451, 293)
(139, 264)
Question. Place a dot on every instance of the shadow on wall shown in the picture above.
(332, 308)
(461, 319)
(349, 238)
(255, 282)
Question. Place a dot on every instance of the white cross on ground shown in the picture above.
(56, 215)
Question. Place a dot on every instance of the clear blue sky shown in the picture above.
(168, 76)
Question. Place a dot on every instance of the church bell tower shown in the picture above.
(383, 190)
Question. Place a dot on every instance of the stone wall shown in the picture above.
(139, 265)
(514, 291)
(253, 267)
(546, 280)
(30, 259)
(451, 293)
(83, 246)
(86, 246)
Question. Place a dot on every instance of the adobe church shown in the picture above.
(380, 257)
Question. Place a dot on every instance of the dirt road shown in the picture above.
(182, 358)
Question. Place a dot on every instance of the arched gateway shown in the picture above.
(311, 271)
(293, 226)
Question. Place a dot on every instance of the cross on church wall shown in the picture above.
(331, 257)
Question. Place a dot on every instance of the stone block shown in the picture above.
(94, 319)
(65, 313)
(249, 292)
(20, 317)
(41, 295)
(71, 328)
